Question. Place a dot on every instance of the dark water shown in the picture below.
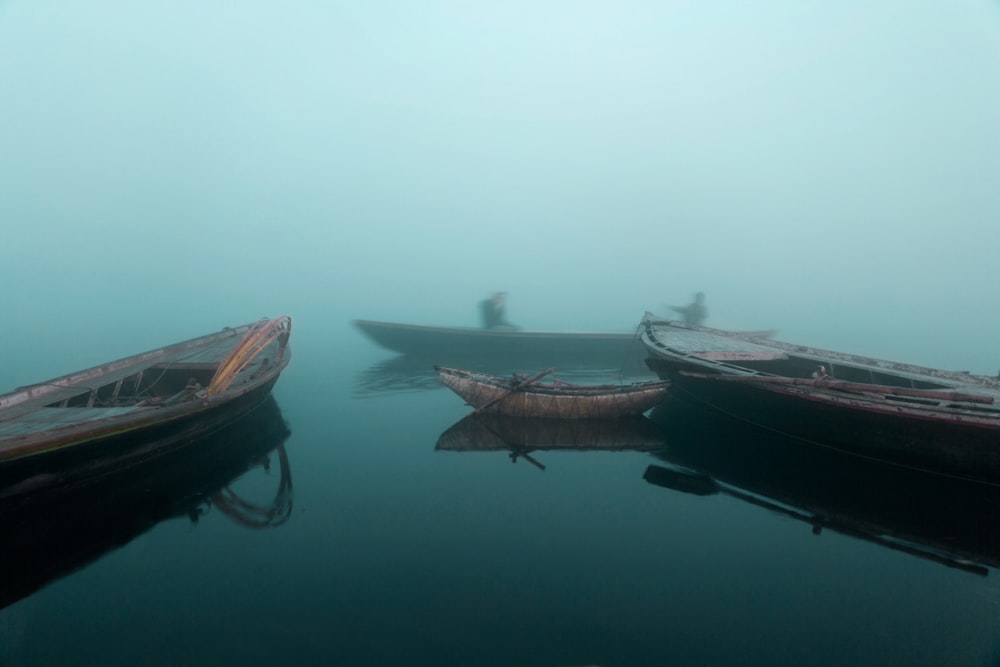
(358, 520)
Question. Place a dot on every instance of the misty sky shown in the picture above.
(828, 169)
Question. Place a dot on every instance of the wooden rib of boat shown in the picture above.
(445, 345)
(172, 393)
(519, 396)
(932, 419)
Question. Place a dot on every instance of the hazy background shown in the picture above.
(831, 170)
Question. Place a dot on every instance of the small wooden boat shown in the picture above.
(518, 396)
(450, 345)
(935, 420)
(173, 393)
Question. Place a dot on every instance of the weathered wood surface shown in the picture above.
(133, 393)
(492, 394)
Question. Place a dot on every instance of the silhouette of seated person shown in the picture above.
(492, 312)
(695, 312)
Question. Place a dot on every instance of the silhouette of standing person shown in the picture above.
(492, 312)
(695, 312)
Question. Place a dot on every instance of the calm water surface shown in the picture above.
(364, 542)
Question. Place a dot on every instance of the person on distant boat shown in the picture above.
(695, 312)
(492, 312)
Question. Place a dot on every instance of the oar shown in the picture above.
(516, 386)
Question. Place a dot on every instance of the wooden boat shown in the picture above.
(451, 345)
(933, 517)
(172, 393)
(59, 528)
(935, 420)
(518, 396)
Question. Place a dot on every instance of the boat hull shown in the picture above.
(453, 345)
(90, 454)
(920, 435)
(131, 408)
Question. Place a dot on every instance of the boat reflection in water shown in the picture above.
(520, 437)
(54, 529)
(407, 373)
(943, 519)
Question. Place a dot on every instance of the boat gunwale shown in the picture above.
(110, 370)
(906, 370)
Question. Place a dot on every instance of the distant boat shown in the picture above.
(447, 345)
(936, 420)
(529, 397)
(123, 407)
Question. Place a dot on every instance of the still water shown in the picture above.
(358, 519)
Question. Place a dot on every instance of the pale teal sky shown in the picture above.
(819, 167)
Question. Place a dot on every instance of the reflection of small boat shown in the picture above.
(490, 432)
(184, 389)
(81, 514)
(937, 420)
(518, 396)
(460, 345)
(945, 520)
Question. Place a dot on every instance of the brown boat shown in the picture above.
(122, 407)
(520, 396)
(936, 420)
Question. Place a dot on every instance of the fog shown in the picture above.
(829, 170)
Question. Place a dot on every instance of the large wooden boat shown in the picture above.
(128, 406)
(88, 511)
(933, 517)
(520, 396)
(936, 420)
(453, 345)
